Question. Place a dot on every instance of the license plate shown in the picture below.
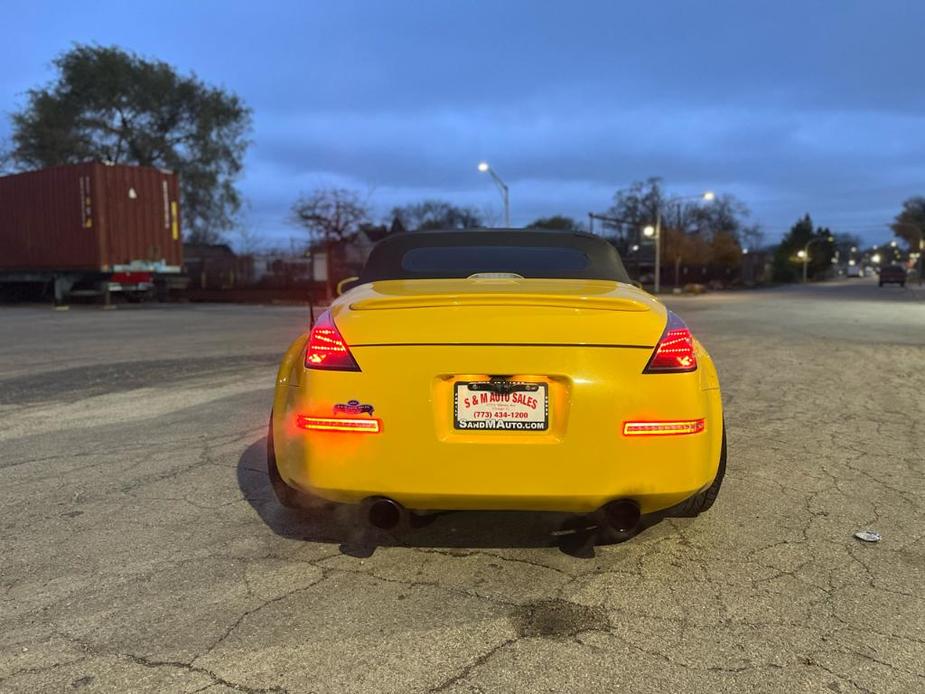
(501, 406)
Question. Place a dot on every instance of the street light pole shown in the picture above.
(502, 187)
(806, 260)
(806, 254)
(658, 249)
(656, 232)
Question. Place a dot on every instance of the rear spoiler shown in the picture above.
(499, 299)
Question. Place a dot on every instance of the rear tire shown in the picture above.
(702, 501)
(287, 496)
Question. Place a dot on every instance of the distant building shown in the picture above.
(282, 269)
(216, 266)
(349, 256)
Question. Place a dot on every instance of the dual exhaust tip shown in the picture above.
(622, 515)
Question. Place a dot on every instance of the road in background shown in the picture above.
(143, 551)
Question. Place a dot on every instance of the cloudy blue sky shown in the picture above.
(792, 106)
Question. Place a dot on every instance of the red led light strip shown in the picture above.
(676, 428)
(362, 426)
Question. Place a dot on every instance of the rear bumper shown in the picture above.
(574, 475)
(418, 459)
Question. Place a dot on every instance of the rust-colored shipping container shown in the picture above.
(90, 217)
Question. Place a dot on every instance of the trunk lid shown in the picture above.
(499, 311)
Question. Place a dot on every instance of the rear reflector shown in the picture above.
(327, 349)
(363, 426)
(674, 352)
(689, 426)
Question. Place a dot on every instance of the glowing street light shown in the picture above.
(484, 167)
(804, 254)
(875, 258)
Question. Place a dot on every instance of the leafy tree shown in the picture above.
(788, 267)
(436, 214)
(6, 158)
(107, 104)
(396, 227)
(910, 223)
(331, 216)
(725, 249)
(557, 222)
(679, 247)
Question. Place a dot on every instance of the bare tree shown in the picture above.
(246, 240)
(437, 214)
(752, 236)
(331, 216)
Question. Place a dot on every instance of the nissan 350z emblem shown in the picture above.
(353, 407)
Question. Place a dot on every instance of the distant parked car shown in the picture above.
(854, 271)
(893, 274)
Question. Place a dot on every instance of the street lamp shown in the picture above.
(502, 187)
(804, 254)
(656, 231)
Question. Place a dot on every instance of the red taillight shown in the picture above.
(689, 426)
(674, 352)
(363, 426)
(327, 349)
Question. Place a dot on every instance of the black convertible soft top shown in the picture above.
(535, 253)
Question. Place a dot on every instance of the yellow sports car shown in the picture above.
(496, 369)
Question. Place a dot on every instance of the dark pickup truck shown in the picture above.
(893, 274)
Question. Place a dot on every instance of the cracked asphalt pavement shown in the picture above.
(142, 550)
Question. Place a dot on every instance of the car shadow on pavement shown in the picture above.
(342, 525)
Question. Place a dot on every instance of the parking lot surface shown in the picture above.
(143, 551)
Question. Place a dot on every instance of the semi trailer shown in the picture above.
(91, 229)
